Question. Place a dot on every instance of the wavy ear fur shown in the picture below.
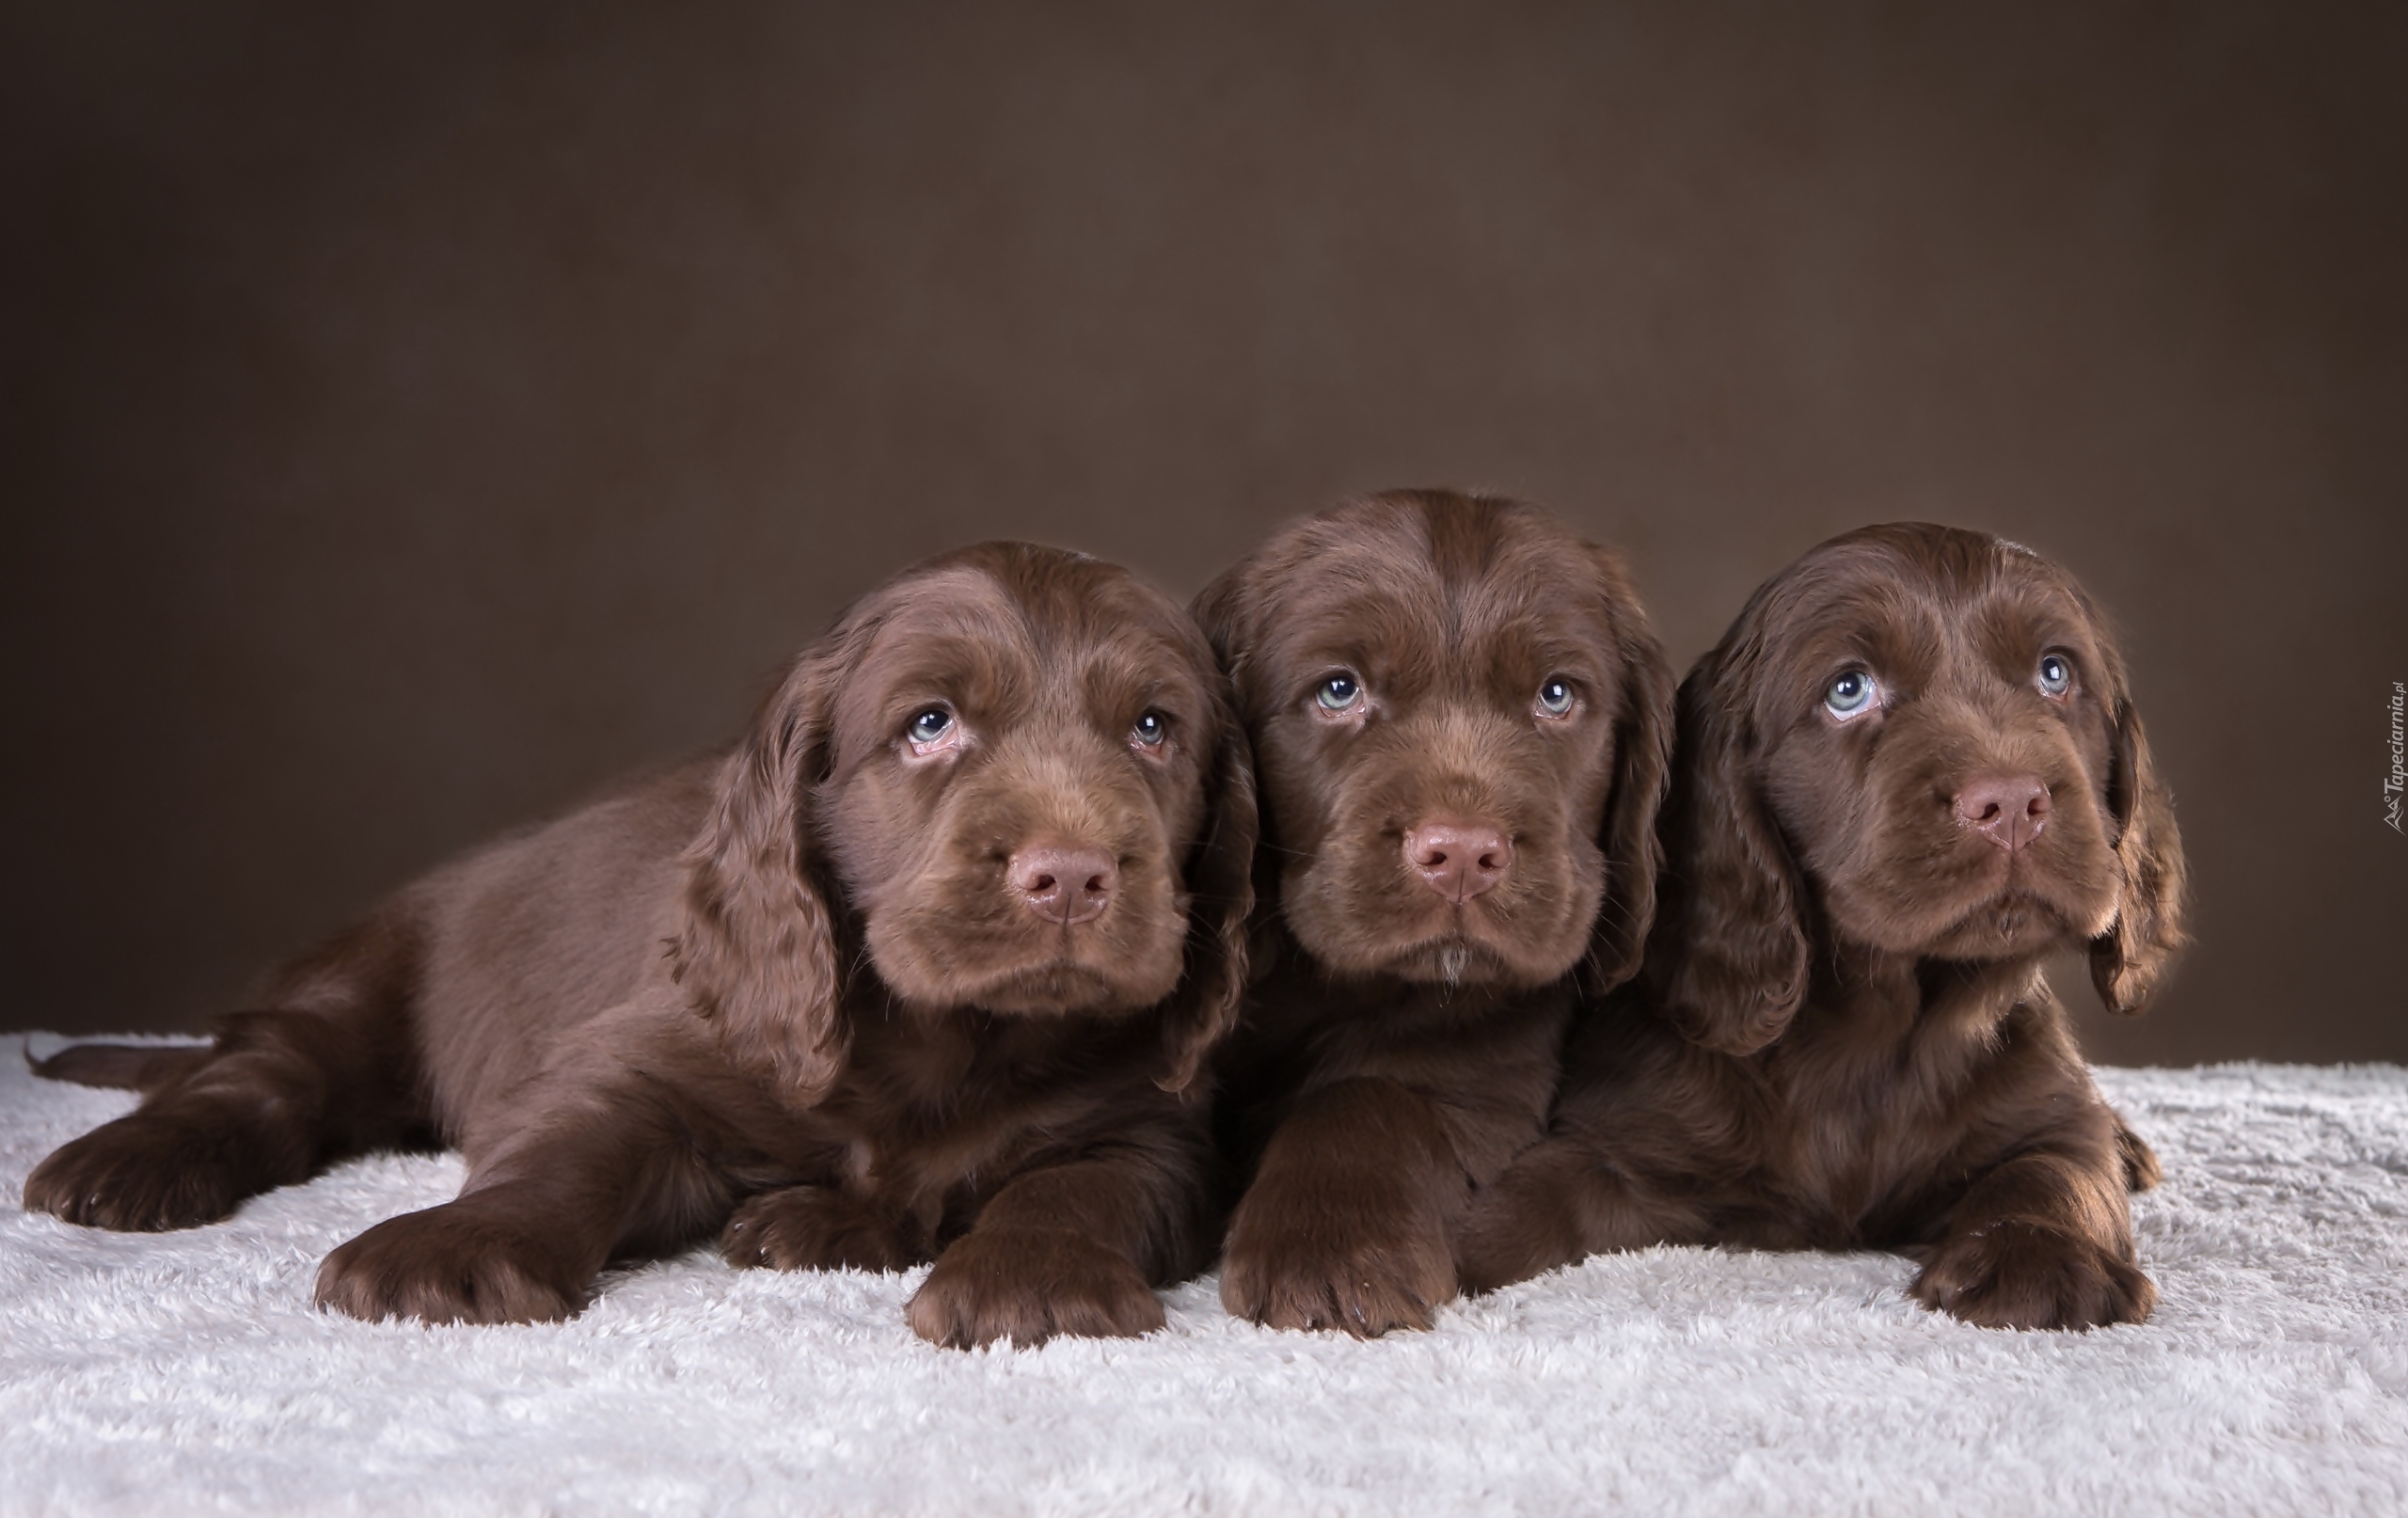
(755, 950)
(1728, 961)
(1224, 611)
(1220, 889)
(1643, 769)
(2130, 960)
(1220, 611)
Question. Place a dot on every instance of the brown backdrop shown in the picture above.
(415, 415)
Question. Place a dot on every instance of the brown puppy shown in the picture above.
(925, 969)
(1462, 725)
(1910, 771)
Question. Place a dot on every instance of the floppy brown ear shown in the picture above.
(1220, 891)
(1219, 610)
(1728, 960)
(755, 950)
(2130, 960)
(1223, 611)
(1643, 769)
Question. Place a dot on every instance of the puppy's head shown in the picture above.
(1014, 777)
(1460, 720)
(1916, 740)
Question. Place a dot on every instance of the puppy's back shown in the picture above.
(532, 936)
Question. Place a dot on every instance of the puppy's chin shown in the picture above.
(2012, 923)
(1369, 924)
(1451, 959)
(1971, 902)
(1065, 986)
(948, 958)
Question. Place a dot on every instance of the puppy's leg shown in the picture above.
(281, 1094)
(588, 1163)
(1346, 1224)
(2045, 1241)
(819, 1229)
(505, 1252)
(1562, 1201)
(1071, 1249)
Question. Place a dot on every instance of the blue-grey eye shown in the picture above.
(2056, 674)
(1339, 692)
(930, 725)
(1555, 698)
(1150, 729)
(1850, 694)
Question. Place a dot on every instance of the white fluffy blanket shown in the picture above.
(187, 1372)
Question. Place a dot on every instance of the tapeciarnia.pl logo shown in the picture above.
(2394, 783)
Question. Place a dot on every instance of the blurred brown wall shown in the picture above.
(414, 416)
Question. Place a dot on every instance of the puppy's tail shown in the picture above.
(119, 1066)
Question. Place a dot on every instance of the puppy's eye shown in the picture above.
(930, 725)
(1339, 693)
(1150, 729)
(1555, 697)
(1851, 695)
(2056, 674)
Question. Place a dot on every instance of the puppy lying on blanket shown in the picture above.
(1910, 771)
(1462, 722)
(925, 969)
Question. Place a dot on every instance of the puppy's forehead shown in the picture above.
(1852, 599)
(1011, 624)
(952, 601)
(1446, 576)
(2027, 604)
(1915, 595)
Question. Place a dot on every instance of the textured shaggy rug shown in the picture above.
(187, 1372)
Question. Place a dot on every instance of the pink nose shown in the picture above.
(1458, 860)
(2008, 810)
(1068, 885)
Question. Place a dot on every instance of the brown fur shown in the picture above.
(1402, 1046)
(1844, 1037)
(787, 994)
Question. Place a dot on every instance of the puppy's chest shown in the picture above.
(1874, 1124)
(1846, 1160)
(1862, 1161)
(915, 1155)
(911, 1134)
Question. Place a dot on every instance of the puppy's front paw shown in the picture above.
(815, 1228)
(146, 1173)
(1504, 1240)
(2022, 1275)
(1527, 1221)
(1028, 1285)
(450, 1264)
(1357, 1262)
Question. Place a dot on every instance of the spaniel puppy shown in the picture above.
(1910, 771)
(926, 968)
(1462, 726)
